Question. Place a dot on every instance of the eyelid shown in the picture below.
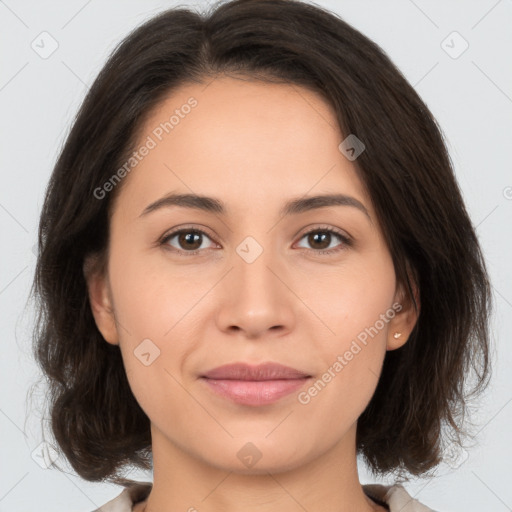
(192, 227)
(188, 227)
(324, 227)
(346, 239)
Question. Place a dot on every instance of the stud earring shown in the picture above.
(397, 335)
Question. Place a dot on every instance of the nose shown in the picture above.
(255, 298)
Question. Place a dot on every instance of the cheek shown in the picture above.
(152, 295)
(352, 357)
(356, 305)
(160, 313)
(158, 390)
(352, 298)
(153, 309)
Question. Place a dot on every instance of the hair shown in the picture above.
(423, 391)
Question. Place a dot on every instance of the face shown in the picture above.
(193, 289)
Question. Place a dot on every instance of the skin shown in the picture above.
(253, 145)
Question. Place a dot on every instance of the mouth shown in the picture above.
(254, 385)
(255, 393)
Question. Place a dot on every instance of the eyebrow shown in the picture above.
(292, 207)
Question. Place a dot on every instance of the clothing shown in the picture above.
(395, 497)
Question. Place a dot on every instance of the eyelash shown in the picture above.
(347, 242)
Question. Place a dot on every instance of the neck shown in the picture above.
(183, 481)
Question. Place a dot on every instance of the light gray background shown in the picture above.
(471, 96)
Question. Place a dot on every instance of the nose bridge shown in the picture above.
(255, 263)
(255, 298)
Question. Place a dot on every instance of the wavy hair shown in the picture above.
(425, 385)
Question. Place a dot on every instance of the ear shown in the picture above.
(405, 317)
(100, 297)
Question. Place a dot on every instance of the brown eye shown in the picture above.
(320, 240)
(188, 240)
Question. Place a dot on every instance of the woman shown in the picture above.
(255, 264)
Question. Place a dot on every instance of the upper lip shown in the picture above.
(265, 371)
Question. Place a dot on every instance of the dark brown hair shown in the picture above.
(422, 394)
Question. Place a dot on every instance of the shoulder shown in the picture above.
(396, 497)
(132, 494)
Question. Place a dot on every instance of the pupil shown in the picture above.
(189, 239)
(322, 236)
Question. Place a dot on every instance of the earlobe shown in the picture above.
(100, 299)
(397, 340)
(405, 319)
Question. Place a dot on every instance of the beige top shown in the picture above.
(395, 497)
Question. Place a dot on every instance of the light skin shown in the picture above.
(254, 146)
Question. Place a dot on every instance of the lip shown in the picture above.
(254, 385)
(264, 371)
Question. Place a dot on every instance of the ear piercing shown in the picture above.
(397, 335)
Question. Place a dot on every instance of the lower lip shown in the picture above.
(251, 392)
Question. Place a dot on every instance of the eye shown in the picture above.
(190, 240)
(320, 239)
(187, 238)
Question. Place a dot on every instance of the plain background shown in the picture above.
(470, 95)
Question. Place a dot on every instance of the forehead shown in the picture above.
(244, 140)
